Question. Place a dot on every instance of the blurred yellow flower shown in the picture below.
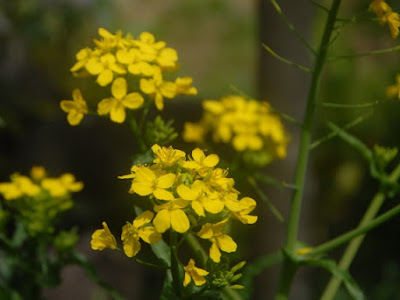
(75, 108)
(59, 187)
(393, 91)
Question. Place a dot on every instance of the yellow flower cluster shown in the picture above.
(246, 124)
(118, 60)
(37, 183)
(185, 193)
(386, 16)
(393, 91)
(38, 198)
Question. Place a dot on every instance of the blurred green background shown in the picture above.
(219, 44)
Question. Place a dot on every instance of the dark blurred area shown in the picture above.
(219, 44)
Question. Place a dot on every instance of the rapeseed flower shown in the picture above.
(219, 240)
(194, 273)
(76, 108)
(152, 182)
(103, 238)
(171, 214)
(59, 187)
(116, 106)
(167, 157)
(139, 229)
(248, 125)
(386, 16)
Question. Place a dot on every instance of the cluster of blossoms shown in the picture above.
(186, 194)
(248, 125)
(135, 68)
(386, 16)
(38, 198)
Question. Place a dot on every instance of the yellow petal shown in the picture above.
(198, 155)
(105, 77)
(198, 208)
(162, 194)
(67, 105)
(186, 193)
(119, 88)
(149, 235)
(117, 113)
(147, 86)
(141, 189)
(94, 66)
(206, 231)
(213, 206)
(179, 221)
(104, 107)
(74, 118)
(215, 254)
(186, 280)
(211, 160)
(132, 247)
(162, 221)
(166, 181)
(133, 100)
(226, 243)
(168, 89)
(144, 218)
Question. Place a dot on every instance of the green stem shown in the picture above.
(138, 134)
(176, 278)
(342, 105)
(368, 53)
(354, 245)
(289, 268)
(286, 61)
(344, 238)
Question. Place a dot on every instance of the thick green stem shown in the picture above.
(354, 245)
(288, 270)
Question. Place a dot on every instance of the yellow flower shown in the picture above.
(219, 240)
(158, 89)
(19, 186)
(393, 21)
(38, 173)
(104, 67)
(110, 41)
(148, 182)
(167, 58)
(194, 273)
(171, 215)
(132, 232)
(75, 108)
(148, 46)
(183, 86)
(246, 205)
(379, 7)
(167, 156)
(82, 58)
(116, 106)
(193, 132)
(394, 90)
(59, 187)
(103, 238)
(200, 200)
(201, 163)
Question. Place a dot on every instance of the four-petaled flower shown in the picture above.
(201, 163)
(149, 182)
(170, 214)
(138, 229)
(75, 108)
(116, 106)
(219, 240)
(104, 67)
(103, 238)
(194, 273)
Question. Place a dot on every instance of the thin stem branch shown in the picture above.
(331, 135)
(286, 61)
(291, 27)
(320, 6)
(355, 244)
(342, 105)
(363, 54)
(289, 267)
(344, 238)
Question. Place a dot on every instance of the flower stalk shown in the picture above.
(289, 267)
